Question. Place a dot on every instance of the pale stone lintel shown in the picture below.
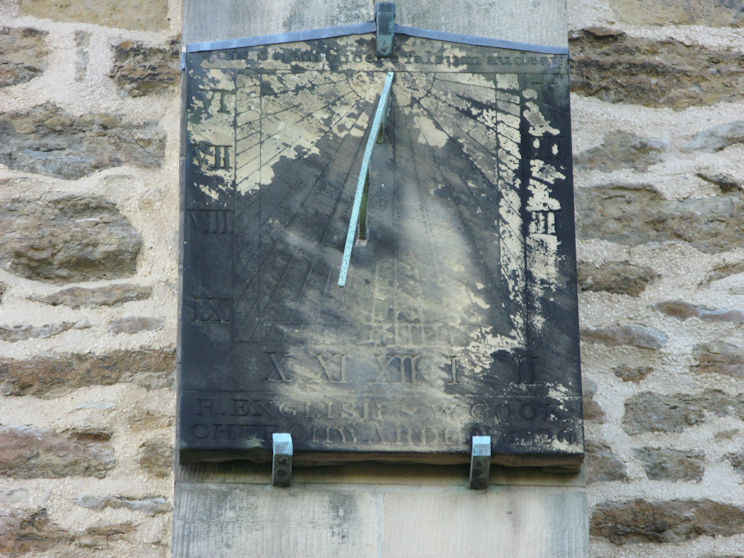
(541, 23)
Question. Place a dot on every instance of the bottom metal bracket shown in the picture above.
(480, 462)
(281, 464)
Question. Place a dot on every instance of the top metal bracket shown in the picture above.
(385, 20)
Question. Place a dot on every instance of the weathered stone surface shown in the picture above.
(53, 375)
(635, 374)
(592, 411)
(614, 67)
(684, 310)
(602, 465)
(635, 214)
(27, 452)
(110, 295)
(23, 55)
(130, 14)
(719, 357)
(3, 288)
(622, 150)
(636, 335)
(157, 458)
(717, 138)
(67, 238)
(21, 332)
(150, 504)
(651, 412)
(668, 521)
(737, 461)
(615, 277)
(723, 270)
(24, 531)
(725, 182)
(149, 421)
(671, 464)
(47, 140)
(141, 69)
(135, 324)
(715, 13)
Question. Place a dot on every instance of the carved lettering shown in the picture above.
(277, 374)
(398, 369)
(211, 309)
(208, 221)
(210, 157)
(543, 222)
(220, 96)
(333, 367)
(454, 372)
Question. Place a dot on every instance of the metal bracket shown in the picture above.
(281, 464)
(480, 462)
(385, 20)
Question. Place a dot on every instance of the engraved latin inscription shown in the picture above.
(210, 157)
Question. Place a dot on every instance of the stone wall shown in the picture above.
(658, 118)
(89, 128)
(89, 121)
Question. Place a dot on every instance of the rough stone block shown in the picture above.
(48, 140)
(615, 67)
(672, 465)
(140, 69)
(27, 452)
(54, 375)
(110, 295)
(634, 214)
(23, 55)
(616, 277)
(665, 521)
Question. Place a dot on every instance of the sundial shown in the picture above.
(378, 251)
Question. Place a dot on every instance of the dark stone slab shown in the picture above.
(459, 317)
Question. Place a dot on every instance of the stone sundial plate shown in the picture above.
(459, 314)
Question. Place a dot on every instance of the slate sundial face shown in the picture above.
(458, 317)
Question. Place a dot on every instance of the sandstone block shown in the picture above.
(717, 138)
(156, 457)
(23, 55)
(725, 182)
(140, 69)
(672, 465)
(652, 412)
(637, 335)
(110, 295)
(135, 324)
(130, 14)
(27, 452)
(615, 277)
(636, 214)
(635, 374)
(53, 375)
(622, 150)
(614, 67)
(24, 531)
(602, 465)
(67, 238)
(21, 332)
(719, 357)
(684, 310)
(152, 505)
(666, 521)
(45, 139)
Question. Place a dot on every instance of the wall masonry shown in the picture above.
(659, 161)
(90, 123)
